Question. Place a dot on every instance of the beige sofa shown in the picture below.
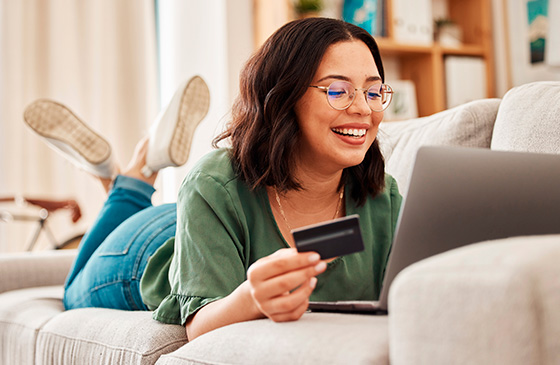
(487, 303)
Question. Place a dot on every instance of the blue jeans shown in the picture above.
(113, 254)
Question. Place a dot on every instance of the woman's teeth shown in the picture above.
(350, 132)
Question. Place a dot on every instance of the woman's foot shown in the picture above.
(171, 134)
(63, 131)
(138, 162)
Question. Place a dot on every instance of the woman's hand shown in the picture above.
(280, 284)
(268, 291)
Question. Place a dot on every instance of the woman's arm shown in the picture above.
(278, 287)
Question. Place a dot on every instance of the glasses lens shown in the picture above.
(340, 94)
(379, 97)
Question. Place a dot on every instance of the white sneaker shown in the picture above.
(68, 135)
(171, 134)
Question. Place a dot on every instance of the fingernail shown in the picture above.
(313, 282)
(320, 266)
(314, 257)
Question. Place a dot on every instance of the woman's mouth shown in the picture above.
(350, 132)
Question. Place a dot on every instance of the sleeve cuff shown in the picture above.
(176, 308)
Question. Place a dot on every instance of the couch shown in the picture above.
(486, 303)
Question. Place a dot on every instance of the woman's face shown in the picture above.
(324, 143)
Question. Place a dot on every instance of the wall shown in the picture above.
(212, 39)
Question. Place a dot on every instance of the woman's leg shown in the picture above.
(112, 260)
(128, 197)
(114, 252)
(111, 276)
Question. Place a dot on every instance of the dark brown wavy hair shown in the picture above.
(264, 130)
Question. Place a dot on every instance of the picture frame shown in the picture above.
(524, 19)
(403, 105)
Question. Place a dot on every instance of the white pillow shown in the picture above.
(529, 119)
(468, 125)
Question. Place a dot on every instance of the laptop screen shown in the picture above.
(459, 196)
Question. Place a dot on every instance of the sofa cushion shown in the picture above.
(494, 302)
(316, 338)
(529, 119)
(106, 336)
(32, 269)
(468, 125)
(22, 314)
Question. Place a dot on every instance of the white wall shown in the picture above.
(2, 179)
(211, 38)
(499, 40)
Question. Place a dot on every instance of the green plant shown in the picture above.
(306, 6)
(442, 22)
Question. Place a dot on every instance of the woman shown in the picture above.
(303, 150)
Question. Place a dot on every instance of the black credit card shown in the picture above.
(334, 238)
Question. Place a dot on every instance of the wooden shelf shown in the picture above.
(392, 48)
(424, 64)
(464, 50)
(388, 46)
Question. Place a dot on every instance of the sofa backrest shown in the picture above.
(468, 125)
(529, 119)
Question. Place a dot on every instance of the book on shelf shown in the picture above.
(367, 14)
(413, 21)
(465, 79)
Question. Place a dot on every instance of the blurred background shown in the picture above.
(116, 63)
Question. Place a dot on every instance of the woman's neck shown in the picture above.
(319, 200)
(319, 190)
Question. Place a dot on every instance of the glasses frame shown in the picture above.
(325, 89)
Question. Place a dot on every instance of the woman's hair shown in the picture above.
(264, 131)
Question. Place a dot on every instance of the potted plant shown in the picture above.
(447, 32)
(308, 8)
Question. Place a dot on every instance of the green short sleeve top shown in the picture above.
(223, 227)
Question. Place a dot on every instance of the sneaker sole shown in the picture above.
(195, 103)
(53, 120)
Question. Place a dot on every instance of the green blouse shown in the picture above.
(223, 227)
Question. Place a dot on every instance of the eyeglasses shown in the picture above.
(341, 94)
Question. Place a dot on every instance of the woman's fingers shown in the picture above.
(280, 262)
(280, 284)
(291, 316)
(289, 303)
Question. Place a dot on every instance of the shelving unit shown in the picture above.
(424, 65)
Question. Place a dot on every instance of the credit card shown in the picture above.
(334, 238)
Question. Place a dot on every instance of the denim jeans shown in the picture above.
(113, 254)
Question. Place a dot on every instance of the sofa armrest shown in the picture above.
(493, 302)
(31, 269)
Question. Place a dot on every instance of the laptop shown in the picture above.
(458, 196)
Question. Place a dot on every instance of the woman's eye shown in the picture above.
(336, 93)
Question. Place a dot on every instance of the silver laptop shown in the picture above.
(459, 196)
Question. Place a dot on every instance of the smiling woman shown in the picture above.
(321, 123)
(225, 253)
(300, 154)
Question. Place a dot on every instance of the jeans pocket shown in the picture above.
(138, 231)
(134, 231)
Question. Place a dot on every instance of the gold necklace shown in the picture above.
(341, 195)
